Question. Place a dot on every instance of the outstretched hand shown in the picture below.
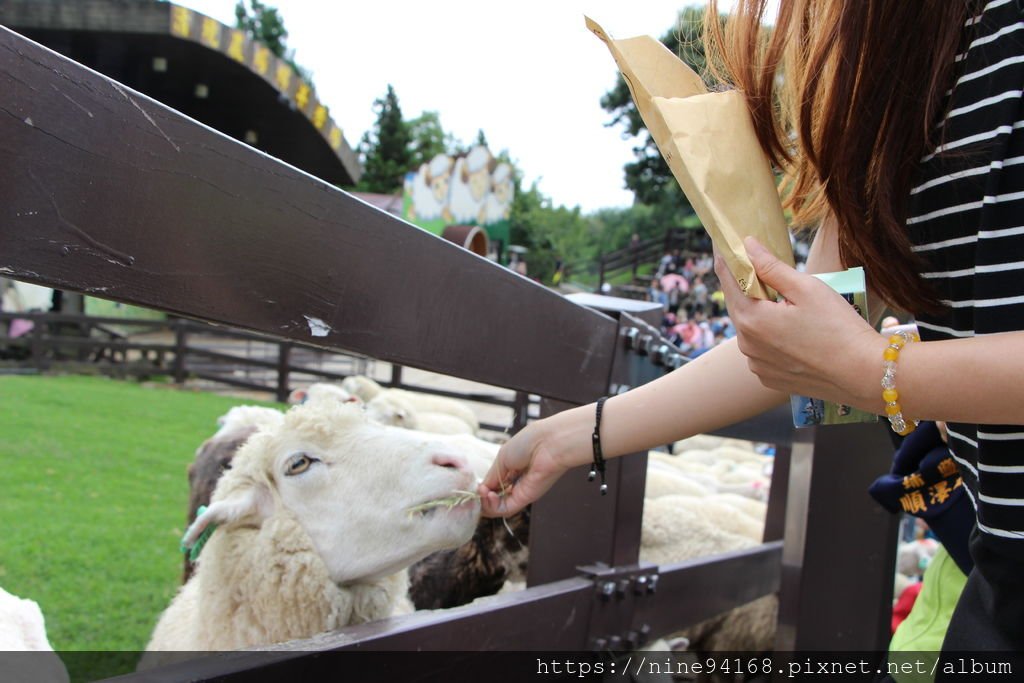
(523, 471)
(812, 343)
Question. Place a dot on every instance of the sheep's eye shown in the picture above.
(299, 464)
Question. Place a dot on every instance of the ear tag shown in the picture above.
(197, 547)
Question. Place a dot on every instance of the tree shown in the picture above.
(549, 233)
(265, 24)
(649, 177)
(386, 149)
(428, 138)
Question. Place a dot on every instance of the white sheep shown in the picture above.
(755, 508)
(214, 456)
(366, 389)
(23, 629)
(739, 454)
(716, 475)
(673, 533)
(389, 408)
(730, 515)
(723, 515)
(244, 418)
(709, 442)
(479, 454)
(664, 481)
(316, 523)
(361, 386)
(321, 390)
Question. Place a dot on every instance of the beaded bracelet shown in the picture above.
(889, 394)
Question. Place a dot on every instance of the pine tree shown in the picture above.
(386, 149)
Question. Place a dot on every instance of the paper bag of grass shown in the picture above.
(708, 140)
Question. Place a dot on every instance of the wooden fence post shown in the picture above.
(284, 354)
(521, 411)
(38, 348)
(840, 545)
(180, 349)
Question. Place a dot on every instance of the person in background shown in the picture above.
(700, 294)
(938, 225)
(665, 266)
(717, 298)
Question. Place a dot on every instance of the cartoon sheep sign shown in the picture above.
(472, 189)
(429, 190)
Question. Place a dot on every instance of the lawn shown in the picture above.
(93, 496)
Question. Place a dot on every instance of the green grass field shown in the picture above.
(93, 496)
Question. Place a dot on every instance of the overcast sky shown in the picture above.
(528, 73)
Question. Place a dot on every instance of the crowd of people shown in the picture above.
(695, 317)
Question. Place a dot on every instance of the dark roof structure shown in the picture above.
(202, 68)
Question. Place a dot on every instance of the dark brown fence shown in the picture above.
(137, 203)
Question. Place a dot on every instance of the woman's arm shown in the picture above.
(977, 380)
(715, 390)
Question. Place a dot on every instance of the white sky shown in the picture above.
(528, 73)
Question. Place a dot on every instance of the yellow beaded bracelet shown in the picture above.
(889, 394)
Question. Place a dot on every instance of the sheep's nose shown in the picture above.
(450, 460)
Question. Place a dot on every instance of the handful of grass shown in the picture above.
(457, 497)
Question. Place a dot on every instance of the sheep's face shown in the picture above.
(352, 484)
(361, 387)
(503, 192)
(388, 410)
(479, 183)
(439, 187)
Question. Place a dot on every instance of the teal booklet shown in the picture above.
(813, 411)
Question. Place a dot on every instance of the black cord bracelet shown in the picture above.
(595, 439)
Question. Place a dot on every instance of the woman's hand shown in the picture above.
(526, 467)
(814, 343)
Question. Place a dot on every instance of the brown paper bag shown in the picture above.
(708, 141)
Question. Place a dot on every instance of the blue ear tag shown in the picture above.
(197, 547)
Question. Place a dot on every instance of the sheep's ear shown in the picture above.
(249, 500)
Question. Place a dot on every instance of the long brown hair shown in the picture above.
(845, 95)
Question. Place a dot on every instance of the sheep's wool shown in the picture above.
(266, 602)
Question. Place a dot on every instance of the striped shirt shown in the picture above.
(967, 221)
